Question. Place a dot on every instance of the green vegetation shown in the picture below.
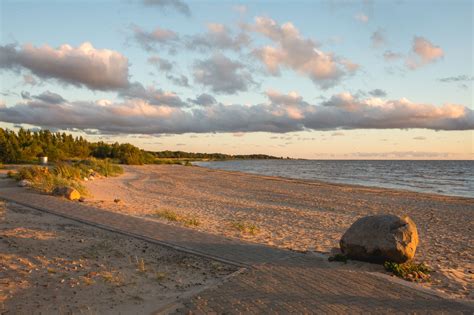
(339, 257)
(44, 180)
(190, 156)
(245, 227)
(27, 146)
(173, 216)
(68, 174)
(409, 271)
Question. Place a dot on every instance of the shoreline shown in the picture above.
(295, 214)
(342, 185)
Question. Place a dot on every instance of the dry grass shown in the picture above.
(245, 227)
(175, 217)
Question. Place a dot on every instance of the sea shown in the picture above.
(453, 178)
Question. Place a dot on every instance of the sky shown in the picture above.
(303, 79)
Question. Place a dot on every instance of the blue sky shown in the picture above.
(416, 105)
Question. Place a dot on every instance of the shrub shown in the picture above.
(103, 167)
(167, 161)
(409, 271)
(45, 181)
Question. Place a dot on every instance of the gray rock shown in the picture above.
(381, 238)
(24, 183)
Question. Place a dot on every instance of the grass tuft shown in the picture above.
(174, 217)
(245, 227)
(409, 271)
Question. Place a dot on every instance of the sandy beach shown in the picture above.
(293, 214)
(52, 265)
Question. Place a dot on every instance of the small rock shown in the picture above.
(82, 199)
(24, 183)
(67, 192)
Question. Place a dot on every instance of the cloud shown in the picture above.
(378, 38)
(297, 53)
(180, 80)
(218, 36)
(378, 93)
(242, 9)
(166, 66)
(423, 53)
(392, 56)
(160, 63)
(28, 79)
(157, 38)
(337, 134)
(458, 78)
(177, 5)
(222, 74)
(203, 100)
(281, 113)
(47, 97)
(152, 96)
(97, 69)
(361, 17)
(419, 138)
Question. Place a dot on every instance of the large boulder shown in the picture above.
(381, 238)
(67, 192)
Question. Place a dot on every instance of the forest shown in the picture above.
(25, 146)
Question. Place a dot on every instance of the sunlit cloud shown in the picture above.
(151, 111)
(297, 53)
(424, 52)
(97, 69)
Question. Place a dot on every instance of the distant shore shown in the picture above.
(293, 214)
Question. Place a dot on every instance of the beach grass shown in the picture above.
(175, 217)
(65, 174)
(245, 227)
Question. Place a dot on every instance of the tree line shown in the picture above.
(25, 146)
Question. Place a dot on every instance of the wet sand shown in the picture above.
(294, 214)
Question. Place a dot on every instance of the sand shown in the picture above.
(294, 214)
(52, 265)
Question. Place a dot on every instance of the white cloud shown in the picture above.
(298, 53)
(98, 69)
